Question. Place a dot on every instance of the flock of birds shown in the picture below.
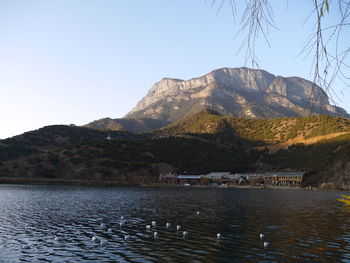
(153, 224)
(156, 234)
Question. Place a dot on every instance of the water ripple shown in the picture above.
(56, 224)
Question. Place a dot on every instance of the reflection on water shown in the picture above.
(57, 223)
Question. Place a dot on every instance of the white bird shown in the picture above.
(218, 235)
(178, 227)
(121, 224)
(197, 213)
(58, 239)
(155, 234)
(167, 225)
(126, 237)
(261, 235)
(266, 244)
(26, 247)
(185, 234)
(110, 230)
(121, 217)
(102, 226)
(94, 239)
(154, 223)
(148, 227)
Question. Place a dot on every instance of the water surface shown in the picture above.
(56, 224)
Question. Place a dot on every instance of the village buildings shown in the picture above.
(226, 178)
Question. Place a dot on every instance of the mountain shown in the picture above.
(239, 92)
(131, 125)
(204, 142)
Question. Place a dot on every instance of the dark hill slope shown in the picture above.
(327, 161)
(50, 138)
(205, 142)
(125, 160)
(130, 125)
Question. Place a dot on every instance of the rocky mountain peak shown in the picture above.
(240, 92)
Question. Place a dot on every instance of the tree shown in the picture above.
(324, 45)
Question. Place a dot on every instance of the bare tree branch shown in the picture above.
(326, 45)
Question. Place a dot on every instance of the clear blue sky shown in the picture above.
(64, 61)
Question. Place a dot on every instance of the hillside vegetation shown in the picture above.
(258, 130)
(132, 125)
(50, 138)
(205, 142)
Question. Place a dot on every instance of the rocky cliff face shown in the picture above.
(238, 92)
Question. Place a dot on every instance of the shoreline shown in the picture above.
(99, 183)
(41, 181)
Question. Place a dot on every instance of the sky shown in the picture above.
(72, 62)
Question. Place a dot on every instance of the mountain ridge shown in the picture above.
(240, 92)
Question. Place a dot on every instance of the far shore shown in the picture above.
(42, 181)
(91, 183)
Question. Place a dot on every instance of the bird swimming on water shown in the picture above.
(154, 223)
(25, 247)
(178, 227)
(261, 235)
(155, 234)
(58, 239)
(218, 235)
(148, 227)
(167, 225)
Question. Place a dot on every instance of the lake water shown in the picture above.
(57, 223)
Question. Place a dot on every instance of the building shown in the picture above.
(225, 178)
(189, 179)
(168, 178)
(216, 178)
(284, 178)
(217, 175)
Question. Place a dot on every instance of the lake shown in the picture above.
(57, 223)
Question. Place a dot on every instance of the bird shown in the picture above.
(154, 223)
(102, 226)
(148, 227)
(126, 237)
(261, 235)
(167, 225)
(185, 234)
(218, 235)
(178, 227)
(94, 239)
(110, 230)
(121, 224)
(121, 217)
(197, 213)
(25, 247)
(155, 234)
(266, 244)
(58, 239)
